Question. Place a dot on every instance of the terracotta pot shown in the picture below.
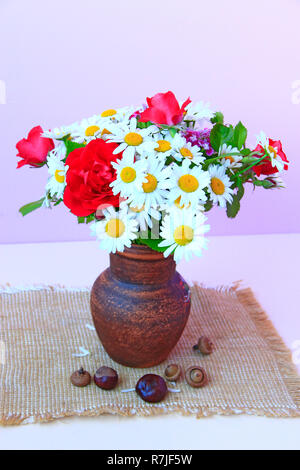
(140, 306)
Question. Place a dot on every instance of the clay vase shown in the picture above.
(140, 306)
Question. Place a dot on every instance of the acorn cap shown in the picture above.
(196, 377)
(172, 372)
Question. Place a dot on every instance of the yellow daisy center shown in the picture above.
(230, 158)
(183, 235)
(163, 146)
(151, 184)
(133, 138)
(180, 206)
(137, 210)
(115, 228)
(91, 130)
(59, 175)
(105, 131)
(188, 183)
(128, 174)
(108, 113)
(272, 150)
(217, 186)
(185, 152)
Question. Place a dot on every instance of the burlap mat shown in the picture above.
(250, 372)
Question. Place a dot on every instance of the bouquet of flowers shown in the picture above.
(149, 175)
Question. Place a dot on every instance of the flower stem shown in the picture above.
(250, 166)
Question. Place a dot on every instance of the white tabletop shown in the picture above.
(267, 263)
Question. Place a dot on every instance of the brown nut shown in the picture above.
(172, 372)
(106, 378)
(151, 388)
(196, 376)
(204, 345)
(81, 378)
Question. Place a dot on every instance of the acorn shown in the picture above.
(106, 378)
(196, 377)
(204, 345)
(80, 378)
(172, 372)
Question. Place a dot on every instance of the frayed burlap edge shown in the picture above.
(266, 329)
(202, 412)
(276, 344)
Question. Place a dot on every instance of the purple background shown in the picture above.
(65, 60)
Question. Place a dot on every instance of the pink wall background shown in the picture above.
(64, 60)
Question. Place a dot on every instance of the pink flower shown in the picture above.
(163, 108)
(200, 138)
(34, 149)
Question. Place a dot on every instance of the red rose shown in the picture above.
(265, 167)
(164, 109)
(34, 149)
(89, 176)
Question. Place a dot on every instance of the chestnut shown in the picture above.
(172, 372)
(106, 378)
(151, 388)
(80, 378)
(204, 345)
(196, 376)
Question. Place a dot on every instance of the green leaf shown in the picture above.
(90, 218)
(218, 118)
(32, 206)
(241, 191)
(70, 146)
(141, 125)
(245, 152)
(233, 208)
(173, 131)
(240, 135)
(138, 241)
(208, 205)
(264, 183)
(58, 202)
(153, 244)
(86, 220)
(220, 135)
(144, 125)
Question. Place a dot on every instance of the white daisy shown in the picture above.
(154, 191)
(57, 169)
(183, 234)
(143, 216)
(46, 202)
(185, 150)
(88, 129)
(177, 205)
(132, 139)
(229, 160)
(199, 110)
(118, 115)
(130, 175)
(60, 132)
(164, 145)
(188, 184)
(264, 141)
(116, 231)
(220, 185)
